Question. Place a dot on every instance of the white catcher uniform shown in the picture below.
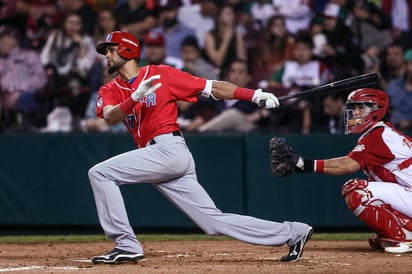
(384, 201)
(385, 155)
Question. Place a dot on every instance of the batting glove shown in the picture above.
(265, 99)
(145, 88)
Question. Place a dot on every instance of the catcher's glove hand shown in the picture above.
(282, 157)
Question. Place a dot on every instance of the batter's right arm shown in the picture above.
(113, 114)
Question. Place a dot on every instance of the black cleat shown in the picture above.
(296, 250)
(117, 256)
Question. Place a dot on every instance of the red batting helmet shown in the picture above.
(128, 45)
(376, 100)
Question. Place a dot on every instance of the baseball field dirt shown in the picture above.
(226, 256)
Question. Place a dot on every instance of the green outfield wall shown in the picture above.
(43, 179)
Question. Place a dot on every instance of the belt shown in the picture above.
(174, 133)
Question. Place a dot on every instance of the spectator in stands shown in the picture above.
(298, 14)
(393, 63)
(199, 16)
(261, 11)
(370, 25)
(106, 24)
(72, 52)
(300, 73)
(224, 43)
(370, 60)
(275, 47)
(333, 105)
(133, 16)
(239, 116)
(194, 62)
(400, 93)
(173, 31)
(38, 18)
(85, 11)
(192, 115)
(154, 51)
(400, 12)
(338, 53)
(21, 76)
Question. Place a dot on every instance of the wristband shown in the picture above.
(127, 106)
(244, 94)
(319, 166)
(307, 167)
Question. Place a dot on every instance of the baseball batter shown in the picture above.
(384, 201)
(144, 99)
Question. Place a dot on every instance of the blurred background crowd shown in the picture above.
(50, 72)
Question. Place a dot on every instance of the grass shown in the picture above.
(161, 237)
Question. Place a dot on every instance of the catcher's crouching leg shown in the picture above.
(380, 217)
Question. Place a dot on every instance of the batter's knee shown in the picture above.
(355, 193)
(94, 172)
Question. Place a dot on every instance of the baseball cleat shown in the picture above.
(401, 247)
(375, 242)
(117, 256)
(296, 250)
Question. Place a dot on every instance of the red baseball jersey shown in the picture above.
(385, 155)
(156, 113)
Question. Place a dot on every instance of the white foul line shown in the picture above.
(11, 269)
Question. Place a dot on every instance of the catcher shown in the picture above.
(384, 200)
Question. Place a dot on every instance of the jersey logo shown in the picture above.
(359, 148)
(407, 142)
(150, 100)
(130, 121)
(99, 102)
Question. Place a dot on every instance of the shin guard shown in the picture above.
(375, 213)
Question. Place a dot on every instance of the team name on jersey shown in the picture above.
(359, 148)
(149, 100)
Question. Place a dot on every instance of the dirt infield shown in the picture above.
(228, 256)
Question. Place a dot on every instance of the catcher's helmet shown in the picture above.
(128, 45)
(377, 103)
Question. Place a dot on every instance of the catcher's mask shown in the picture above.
(128, 45)
(364, 108)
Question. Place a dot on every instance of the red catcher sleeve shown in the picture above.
(184, 86)
(371, 150)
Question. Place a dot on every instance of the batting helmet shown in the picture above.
(376, 100)
(128, 45)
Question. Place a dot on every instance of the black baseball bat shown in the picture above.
(352, 83)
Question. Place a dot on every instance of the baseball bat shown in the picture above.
(353, 83)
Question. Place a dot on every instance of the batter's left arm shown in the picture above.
(226, 90)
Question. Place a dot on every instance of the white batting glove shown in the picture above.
(265, 99)
(145, 88)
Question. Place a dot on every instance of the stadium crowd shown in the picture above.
(50, 72)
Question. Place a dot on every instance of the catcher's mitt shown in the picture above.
(282, 157)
